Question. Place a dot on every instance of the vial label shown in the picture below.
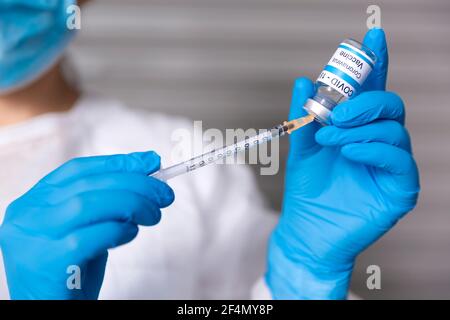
(347, 70)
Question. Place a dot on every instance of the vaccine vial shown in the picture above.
(341, 79)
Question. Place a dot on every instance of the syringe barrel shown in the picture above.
(170, 172)
(218, 154)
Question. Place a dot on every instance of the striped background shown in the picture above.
(231, 63)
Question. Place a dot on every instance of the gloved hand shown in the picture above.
(346, 185)
(72, 217)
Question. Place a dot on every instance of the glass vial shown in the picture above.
(341, 79)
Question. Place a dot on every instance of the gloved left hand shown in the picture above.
(346, 185)
(54, 238)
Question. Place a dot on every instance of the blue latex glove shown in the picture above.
(346, 185)
(72, 217)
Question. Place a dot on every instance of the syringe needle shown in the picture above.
(298, 123)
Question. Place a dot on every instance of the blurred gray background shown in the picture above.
(231, 63)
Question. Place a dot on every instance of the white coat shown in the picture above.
(211, 243)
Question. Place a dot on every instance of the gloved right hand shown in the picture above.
(72, 217)
(346, 185)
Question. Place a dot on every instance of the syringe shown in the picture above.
(230, 150)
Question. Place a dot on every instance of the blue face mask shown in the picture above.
(33, 36)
